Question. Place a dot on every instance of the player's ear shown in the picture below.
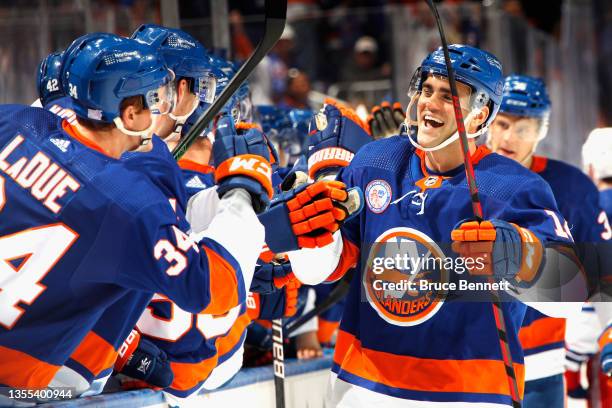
(479, 119)
(182, 87)
(128, 115)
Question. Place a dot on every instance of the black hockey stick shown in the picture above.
(275, 16)
(337, 294)
(278, 361)
(498, 313)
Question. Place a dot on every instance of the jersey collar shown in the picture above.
(187, 164)
(538, 164)
(480, 153)
(74, 133)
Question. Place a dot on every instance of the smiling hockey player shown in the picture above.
(407, 348)
(522, 122)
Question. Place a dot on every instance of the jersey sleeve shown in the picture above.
(533, 207)
(208, 276)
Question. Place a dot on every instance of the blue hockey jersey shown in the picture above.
(605, 200)
(543, 337)
(411, 345)
(82, 229)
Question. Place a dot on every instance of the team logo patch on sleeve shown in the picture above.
(378, 195)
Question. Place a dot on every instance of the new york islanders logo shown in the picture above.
(378, 195)
(396, 282)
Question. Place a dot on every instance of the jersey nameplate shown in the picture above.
(43, 178)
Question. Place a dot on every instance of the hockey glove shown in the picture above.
(244, 127)
(282, 303)
(385, 120)
(306, 216)
(270, 276)
(143, 361)
(499, 249)
(336, 134)
(605, 344)
(242, 161)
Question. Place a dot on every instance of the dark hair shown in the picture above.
(93, 125)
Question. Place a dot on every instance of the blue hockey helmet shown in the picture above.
(100, 70)
(478, 69)
(48, 78)
(184, 55)
(525, 96)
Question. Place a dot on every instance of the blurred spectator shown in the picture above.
(364, 65)
(303, 15)
(269, 80)
(298, 88)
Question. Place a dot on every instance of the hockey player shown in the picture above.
(522, 122)
(204, 350)
(408, 348)
(82, 230)
(596, 153)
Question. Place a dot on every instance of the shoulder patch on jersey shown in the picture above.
(378, 195)
(61, 144)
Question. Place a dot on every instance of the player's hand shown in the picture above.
(242, 161)
(276, 305)
(142, 361)
(605, 344)
(270, 276)
(499, 249)
(307, 216)
(336, 134)
(385, 119)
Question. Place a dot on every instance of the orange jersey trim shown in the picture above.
(95, 354)
(538, 164)
(223, 287)
(422, 374)
(605, 338)
(188, 375)
(541, 332)
(348, 259)
(73, 132)
(20, 370)
(225, 343)
(187, 164)
(326, 330)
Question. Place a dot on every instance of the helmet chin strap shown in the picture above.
(145, 134)
(181, 119)
(449, 140)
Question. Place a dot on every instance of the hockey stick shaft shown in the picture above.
(477, 208)
(278, 356)
(275, 16)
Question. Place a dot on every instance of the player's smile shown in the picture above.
(430, 121)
